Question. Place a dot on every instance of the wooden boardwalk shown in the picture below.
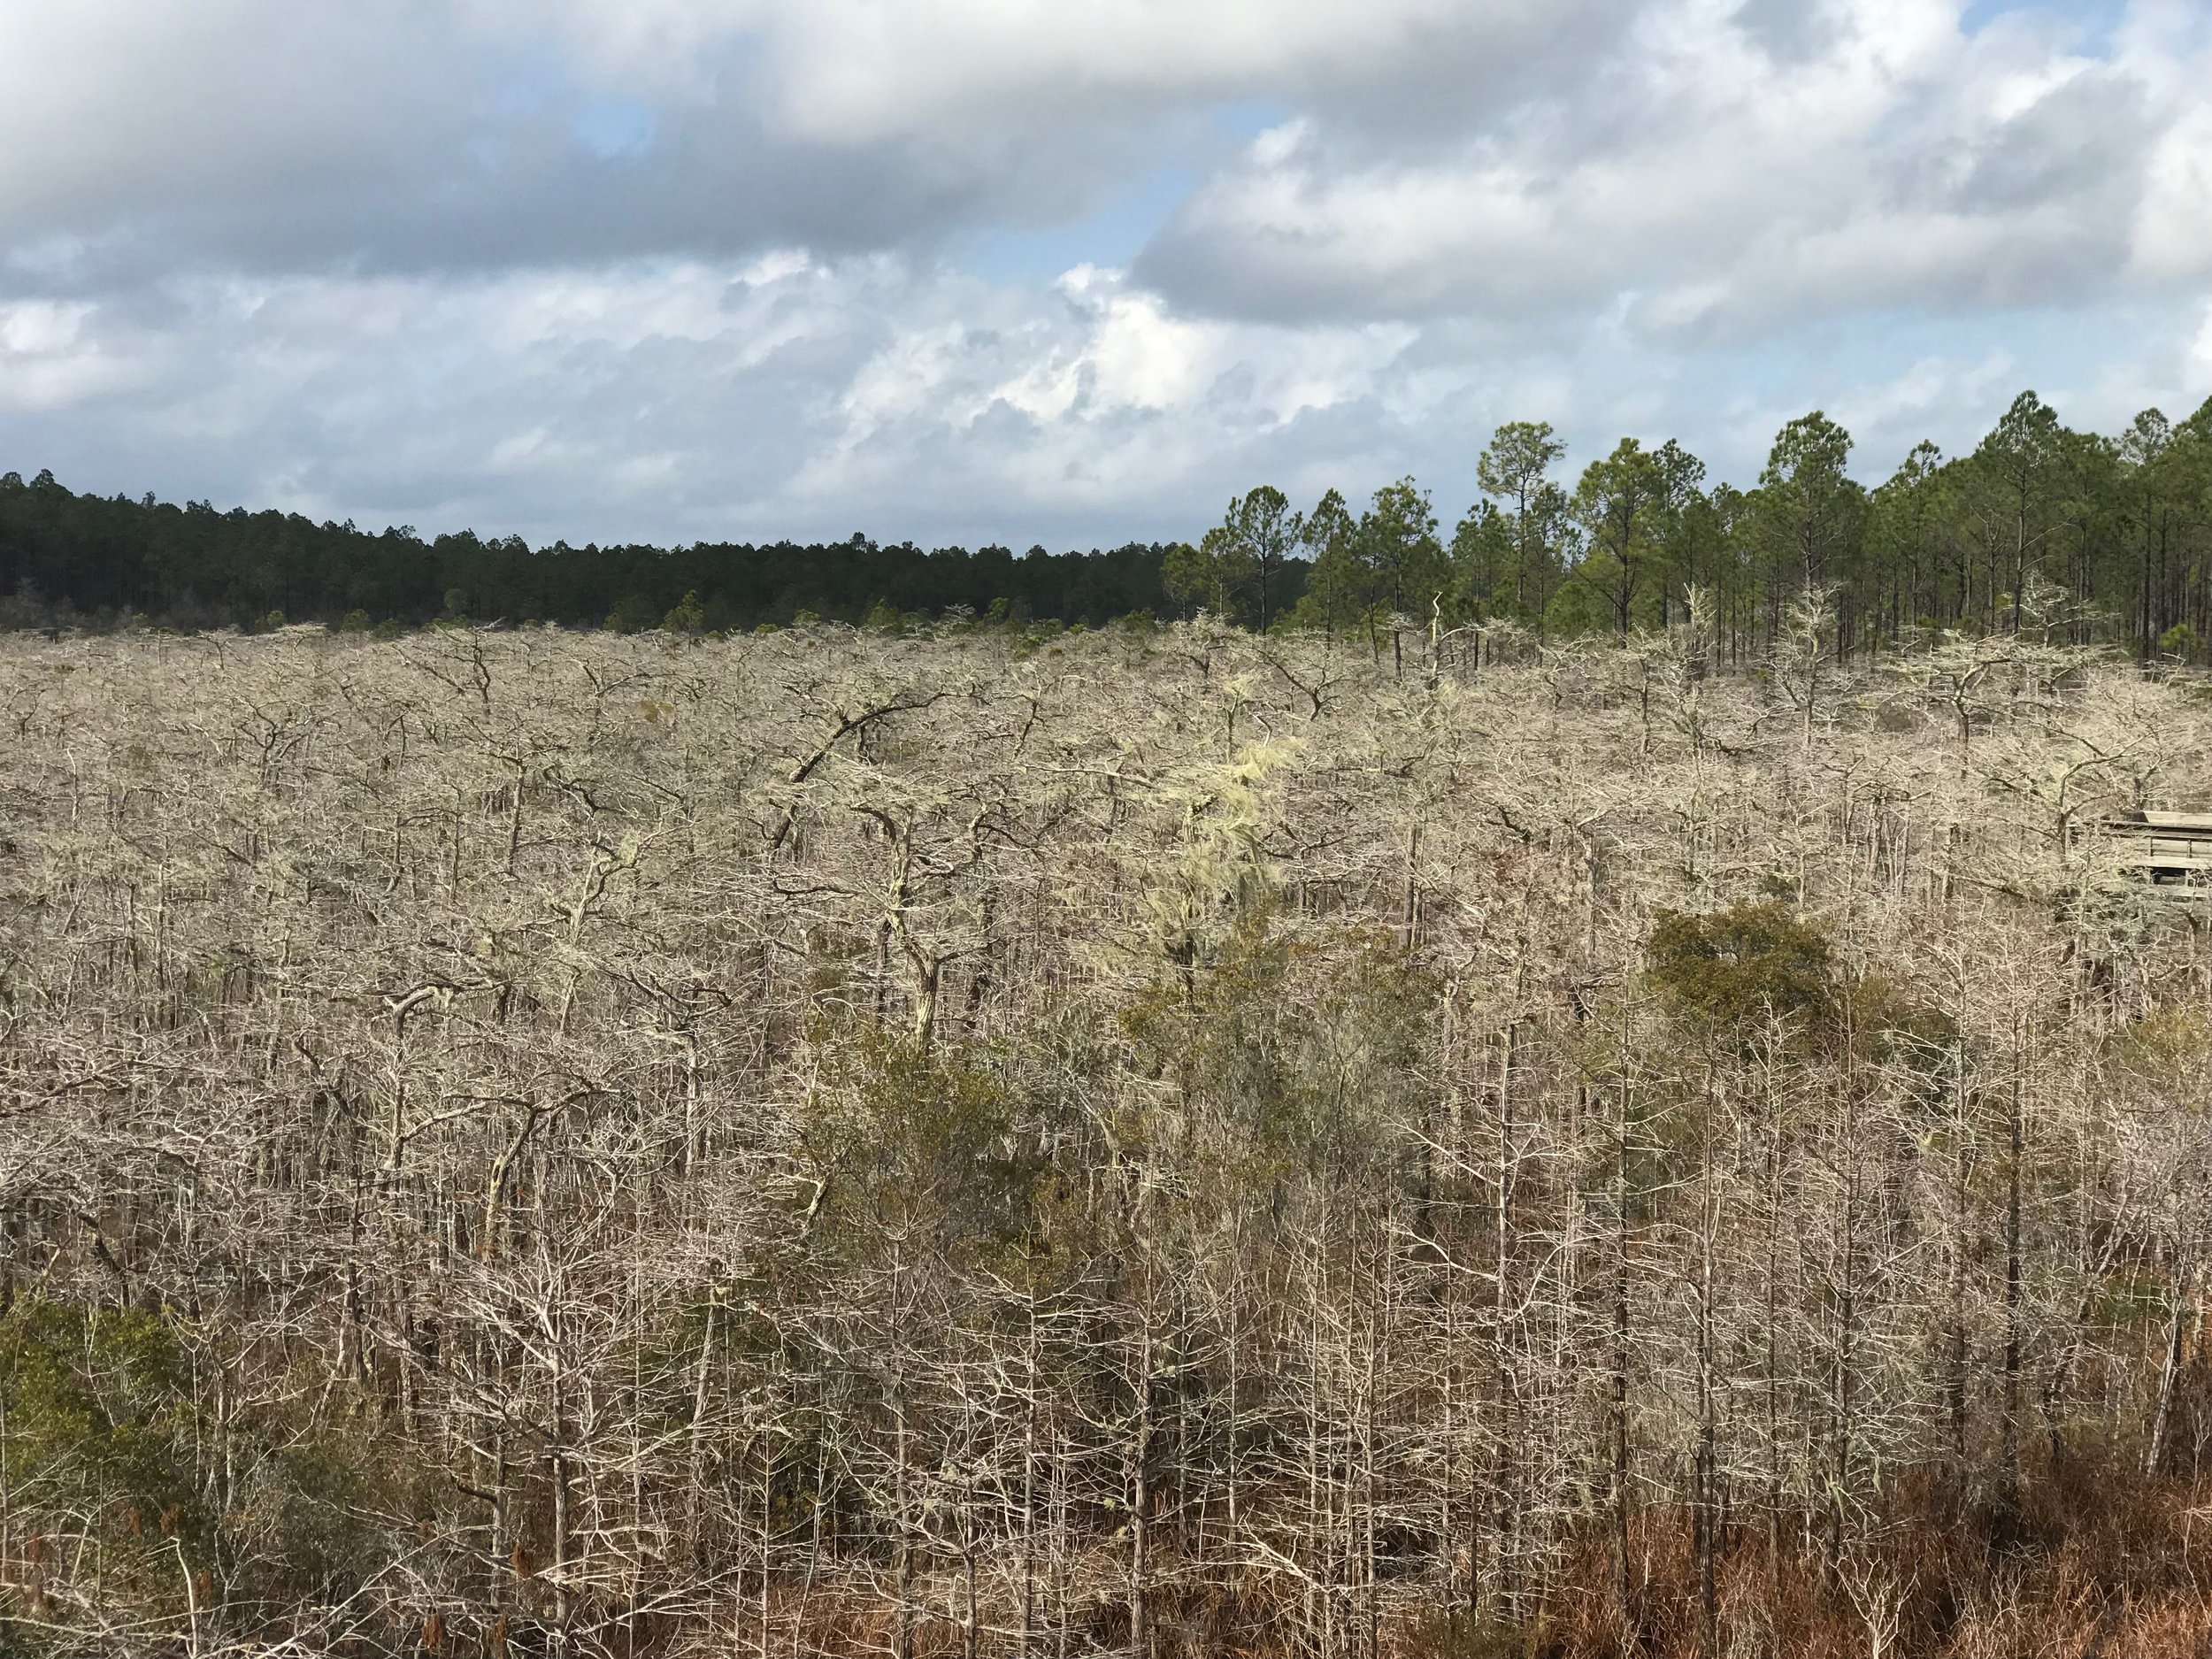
(2167, 847)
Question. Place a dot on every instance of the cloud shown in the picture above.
(1737, 176)
(2200, 349)
(1502, 159)
(673, 399)
(856, 70)
(392, 134)
(676, 268)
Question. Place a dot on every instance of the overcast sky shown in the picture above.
(1070, 271)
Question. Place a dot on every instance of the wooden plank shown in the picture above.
(2190, 825)
(2172, 849)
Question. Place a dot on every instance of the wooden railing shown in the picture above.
(2165, 846)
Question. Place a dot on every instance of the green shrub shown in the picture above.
(1734, 970)
(926, 1139)
(102, 1421)
(687, 618)
(1887, 1023)
(98, 1407)
(303, 1516)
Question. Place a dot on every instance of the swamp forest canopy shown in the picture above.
(2122, 522)
(1156, 1140)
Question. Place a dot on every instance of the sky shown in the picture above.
(1063, 271)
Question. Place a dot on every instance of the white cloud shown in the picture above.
(47, 363)
(2172, 233)
(2200, 349)
(1085, 396)
(475, 134)
(36, 327)
(673, 399)
(681, 267)
(860, 70)
(1904, 164)
(1432, 156)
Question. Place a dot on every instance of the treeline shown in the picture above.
(67, 558)
(2123, 523)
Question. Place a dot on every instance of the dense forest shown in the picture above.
(1368, 1142)
(2123, 523)
(74, 559)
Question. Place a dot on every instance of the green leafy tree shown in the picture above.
(2015, 498)
(908, 1138)
(1810, 510)
(687, 618)
(97, 1407)
(1229, 572)
(1738, 971)
(1906, 536)
(1681, 529)
(1618, 503)
(1336, 590)
(1187, 576)
(1514, 471)
(634, 613)
(2164, 490)
(1482, 558)
(1407, 572)
(1258, 535)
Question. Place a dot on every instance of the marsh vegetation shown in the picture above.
(1162, 1140)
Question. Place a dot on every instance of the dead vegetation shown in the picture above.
(1154, 1141)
